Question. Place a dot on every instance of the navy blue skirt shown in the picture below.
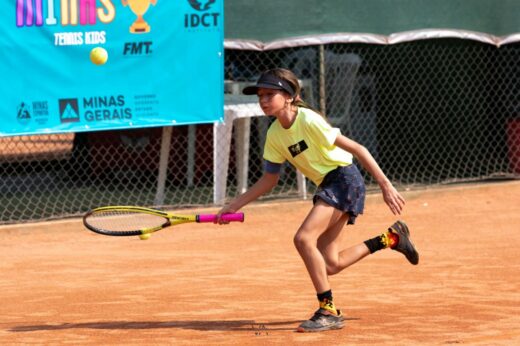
(344, 189)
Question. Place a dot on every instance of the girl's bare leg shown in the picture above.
(320, 219)
(330, 246)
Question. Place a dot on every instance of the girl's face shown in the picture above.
(272, 101)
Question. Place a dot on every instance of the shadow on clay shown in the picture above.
(239, 325)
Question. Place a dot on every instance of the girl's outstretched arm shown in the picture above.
(262, 186)
(392, 198)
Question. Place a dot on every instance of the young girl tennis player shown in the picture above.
(303, 137)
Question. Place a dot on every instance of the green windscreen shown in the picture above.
(268, 20)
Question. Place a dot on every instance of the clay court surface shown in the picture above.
(245, 284)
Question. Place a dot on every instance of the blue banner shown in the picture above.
(86, 65)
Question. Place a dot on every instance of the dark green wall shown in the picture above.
(267, 20)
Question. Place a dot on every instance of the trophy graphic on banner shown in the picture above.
(139, 7)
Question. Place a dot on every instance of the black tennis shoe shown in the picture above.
(322, 320)
(405, 245)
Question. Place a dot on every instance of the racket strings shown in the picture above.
(123, 221)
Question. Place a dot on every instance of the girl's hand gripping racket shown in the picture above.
(129, 221)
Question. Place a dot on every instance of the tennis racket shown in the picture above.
(130, 221)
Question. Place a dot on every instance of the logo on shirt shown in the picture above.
(298, 148)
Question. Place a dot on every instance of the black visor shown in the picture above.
(269, 81)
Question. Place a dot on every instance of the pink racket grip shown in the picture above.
(226, 217)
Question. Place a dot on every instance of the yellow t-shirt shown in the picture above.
(308, 145)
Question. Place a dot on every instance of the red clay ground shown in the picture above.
(245, 284)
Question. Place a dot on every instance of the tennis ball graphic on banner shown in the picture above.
(98, 56)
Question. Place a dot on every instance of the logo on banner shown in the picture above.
(40, 108)
(40, 112)
(69, 110)
(23, 114)
(140, 26)
(139, 7)
(106, 108)
(198, 20)
(201, 5)
(31, 12)
(137, 48)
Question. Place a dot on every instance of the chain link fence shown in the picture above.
(431, 112)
